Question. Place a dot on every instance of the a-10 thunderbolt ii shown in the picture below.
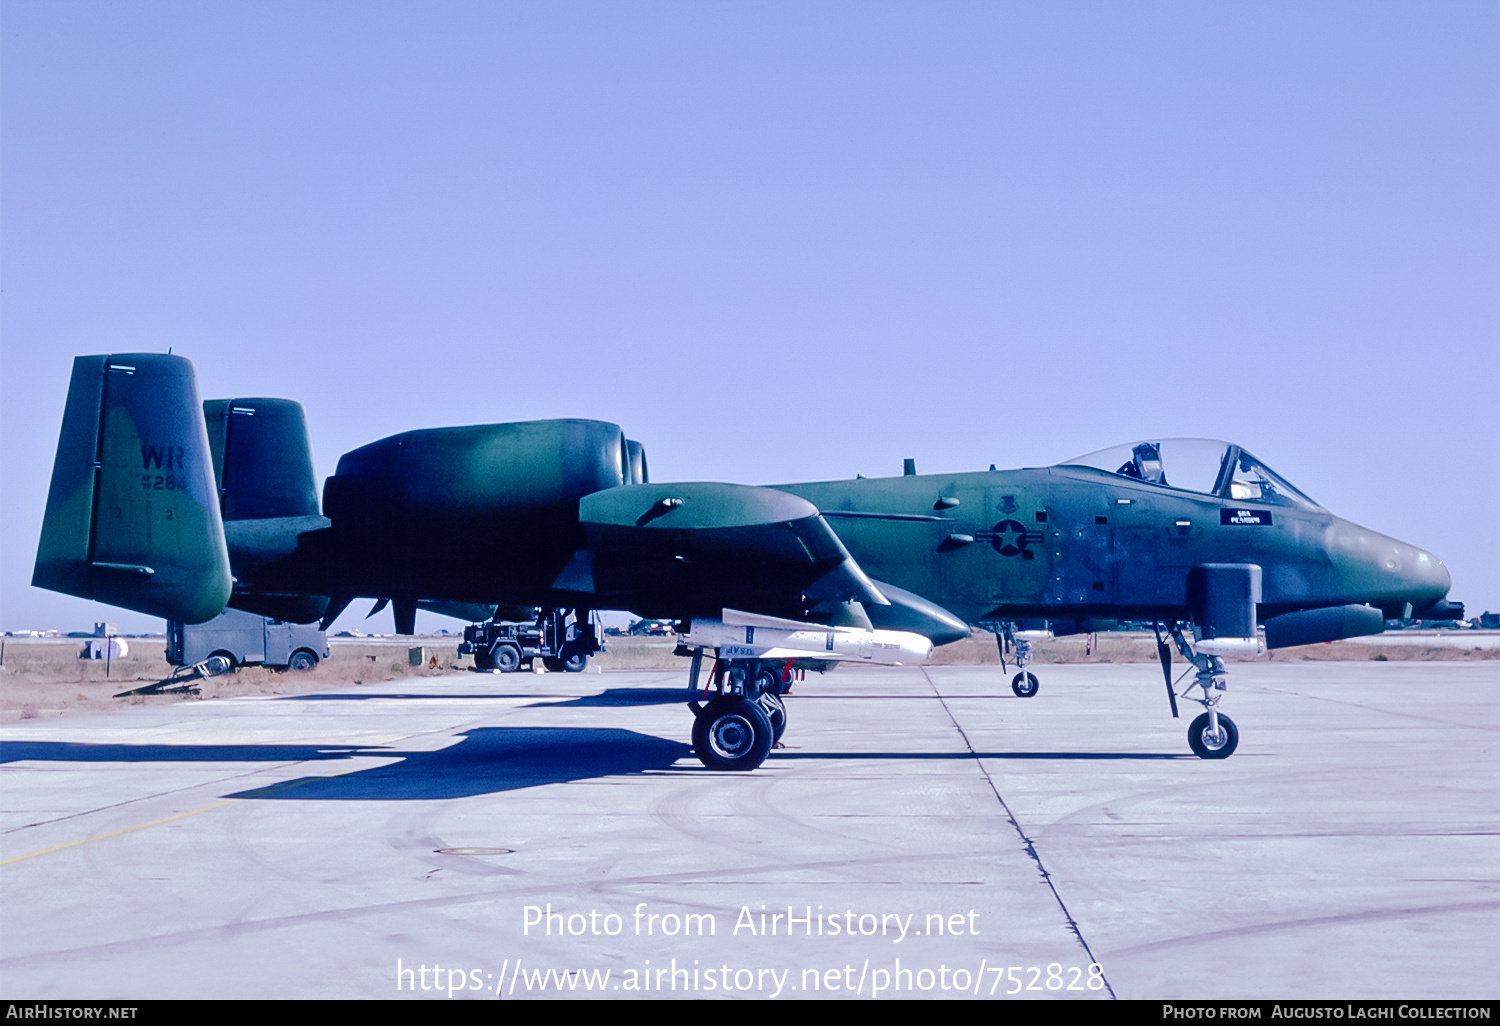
(174, 507)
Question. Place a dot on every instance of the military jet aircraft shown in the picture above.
(175, 507)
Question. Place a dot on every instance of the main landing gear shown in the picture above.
(746, 716)
(1212, 735)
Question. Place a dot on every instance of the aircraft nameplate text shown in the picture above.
(1241, 517)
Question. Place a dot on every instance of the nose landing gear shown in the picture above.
(1212, 735)
(1023, 684)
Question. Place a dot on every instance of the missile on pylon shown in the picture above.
(741, 635)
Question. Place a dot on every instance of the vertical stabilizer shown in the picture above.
(262, 458)
(133, 512)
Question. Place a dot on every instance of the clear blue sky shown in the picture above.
(778, 241)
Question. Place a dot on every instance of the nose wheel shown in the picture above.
(1209, 740)
(1212, 735)
(1023, 684)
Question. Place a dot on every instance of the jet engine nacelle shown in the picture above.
(483, 475)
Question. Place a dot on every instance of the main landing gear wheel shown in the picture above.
(775, 710)
(732, 733)
(1025, 685)
(1208, 745)
(505, 658)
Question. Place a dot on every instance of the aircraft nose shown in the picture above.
(1429, 579)
(1389, 573)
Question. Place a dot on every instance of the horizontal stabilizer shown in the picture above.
(469, 612)
(133, 512)
(292, 608)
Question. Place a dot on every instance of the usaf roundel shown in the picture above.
(1009, 538)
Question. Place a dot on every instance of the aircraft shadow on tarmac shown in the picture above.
(626, 697)
(71, 751)
(487, 760)
(1061, 756)
(621, 697)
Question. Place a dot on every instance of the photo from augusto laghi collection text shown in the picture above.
(809, 950)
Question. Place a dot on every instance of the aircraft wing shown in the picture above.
(707, 545)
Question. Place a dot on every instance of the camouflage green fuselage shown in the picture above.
(1067, 541)
(171, 506)
(1057, 543)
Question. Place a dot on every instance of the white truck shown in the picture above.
(245, 639)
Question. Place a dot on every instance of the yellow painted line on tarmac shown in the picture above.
(165, 819)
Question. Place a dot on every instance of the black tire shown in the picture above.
(775, 711)
(302, 660)
(482, 660)
(1206, 746)
(575, 663)
(1025, 685)
(553, 664)
(506, 658)
(732, 733)
(233, 662)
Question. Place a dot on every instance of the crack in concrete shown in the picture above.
(1030, 844)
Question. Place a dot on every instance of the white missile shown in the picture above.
(741, 635)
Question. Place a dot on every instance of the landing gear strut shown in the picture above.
(1025, 685)
(744, 719)
(1212, 735)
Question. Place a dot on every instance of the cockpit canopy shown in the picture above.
(1198, 465)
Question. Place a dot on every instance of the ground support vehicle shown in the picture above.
(244, 639)
(556, 638)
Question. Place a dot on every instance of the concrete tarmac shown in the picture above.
(925, 834)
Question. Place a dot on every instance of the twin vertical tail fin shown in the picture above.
(133, 513)
(262, 459)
